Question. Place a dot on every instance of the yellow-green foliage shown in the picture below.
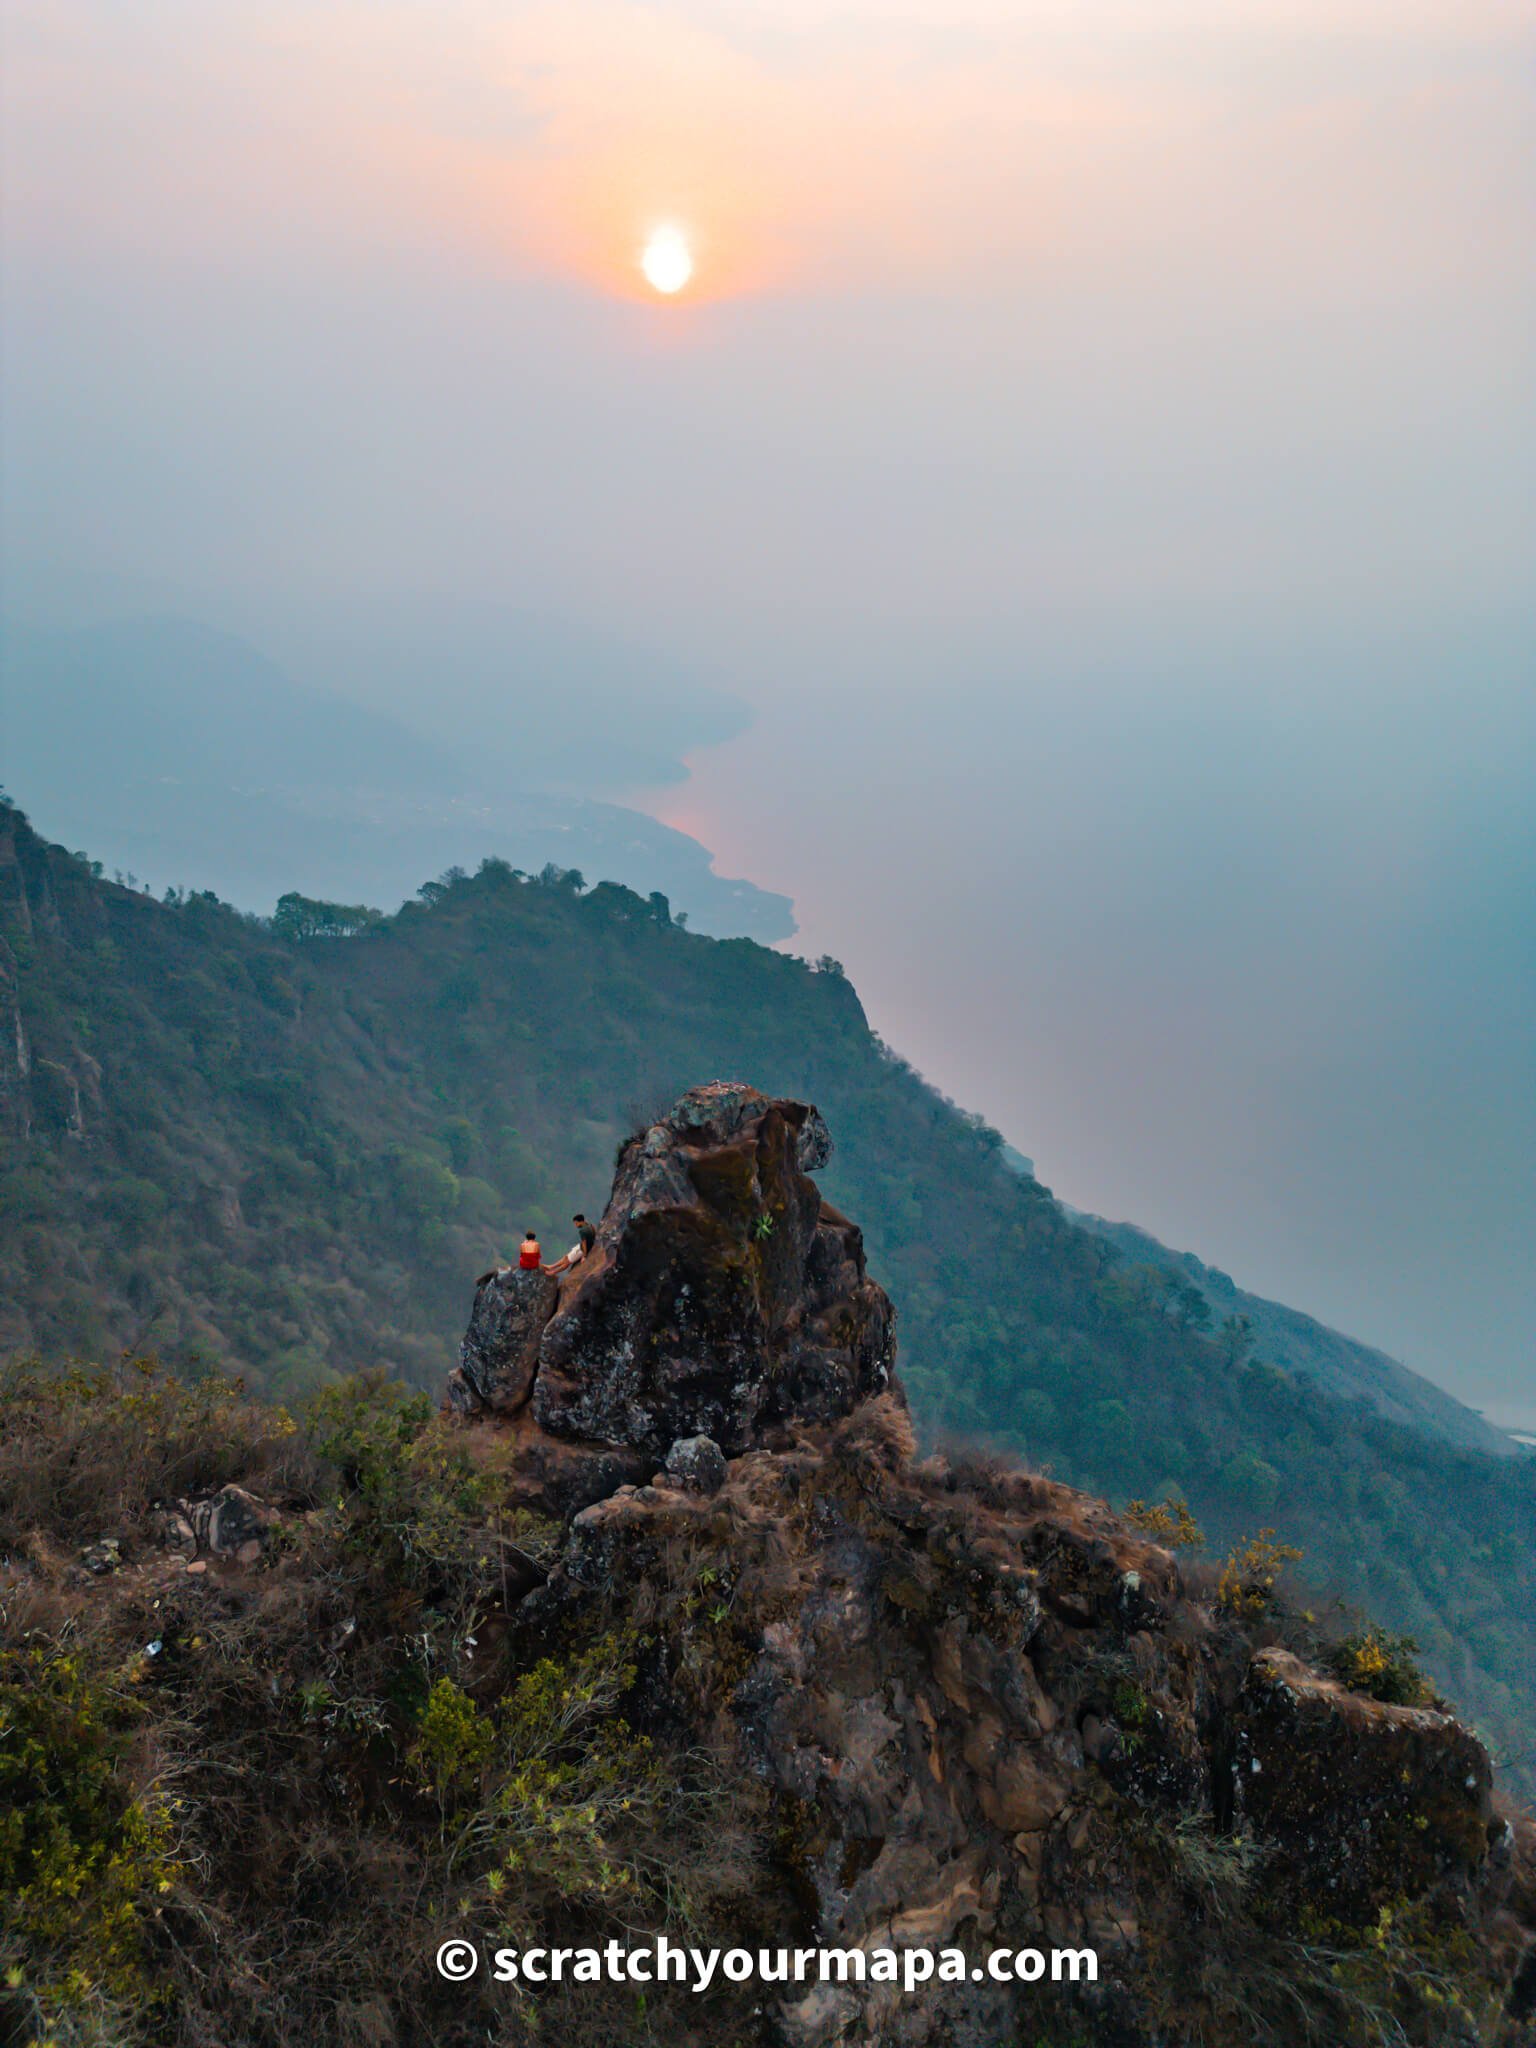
(1251, 1573)
(1416, 1963)
(415, 1493)
(582, 1787)
(84, 1858)
(1382, 1666)
(554, 1799)
(1168, 1522)
(454, 1743)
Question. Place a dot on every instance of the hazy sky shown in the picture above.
(1098, 444)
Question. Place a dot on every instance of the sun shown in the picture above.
(667, 261)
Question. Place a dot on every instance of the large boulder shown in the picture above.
(500, 1352)
(725, 1297)
(1366, 1801)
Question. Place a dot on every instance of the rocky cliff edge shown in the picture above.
(982, 1709)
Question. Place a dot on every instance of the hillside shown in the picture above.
(1308, 1349)
(291, 1157)
(661, 1630)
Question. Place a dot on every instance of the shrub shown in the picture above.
(1251, 1573)
(417, 1502)
(1381, 1666)
(84, 1860)
(88, 1450)
(1168, 1522)
(455, 1742)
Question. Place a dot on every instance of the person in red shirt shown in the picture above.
(530, 1258)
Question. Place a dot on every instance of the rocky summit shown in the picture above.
(725, 1298)
(974, 1707)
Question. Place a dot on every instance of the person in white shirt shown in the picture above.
(586, 1238)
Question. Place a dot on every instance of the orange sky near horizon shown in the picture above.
(874, 147)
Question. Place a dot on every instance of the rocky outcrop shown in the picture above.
(984, 1712)
(231, 1526)
(724, 1298)
(990, 1715)
(500, 1352)
(1366, 1800)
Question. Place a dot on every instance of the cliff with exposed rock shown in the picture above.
(982, 1710)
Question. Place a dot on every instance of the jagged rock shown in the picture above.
(725, 1297)
(903, 1682)
(231, 1521)
(500, 1352)
(989, 1713)
(1369, 1801)
(697, 1464)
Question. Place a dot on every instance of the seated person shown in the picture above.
(530, 1258)
(586, 1238)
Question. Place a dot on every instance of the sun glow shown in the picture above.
(667, 261)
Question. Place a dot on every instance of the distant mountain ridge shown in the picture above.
(1299, 1344)
(184, 755)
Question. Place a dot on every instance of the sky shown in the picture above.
(1096, 446)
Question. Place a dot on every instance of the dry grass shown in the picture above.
(89, 1452)
(306, 1866)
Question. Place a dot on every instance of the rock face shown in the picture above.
(724, 1298)
(988, 1714)
(230, 1525)
(500, 1352)
(1407, 1792)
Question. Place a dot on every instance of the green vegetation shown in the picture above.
(288, 1158)
(1241, 1971)
(1381, 1666)
(1252, 1573)
(300, 1788)
(86, 1853)
(303, 917)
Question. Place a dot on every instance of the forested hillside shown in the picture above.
(1307, 1348)
(290, 1156)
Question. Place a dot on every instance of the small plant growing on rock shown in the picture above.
(1251, 1573)
(1168, 1522)
(1381, 1666)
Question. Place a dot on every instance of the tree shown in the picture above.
(305, 917)
(1188, 1306)
(1236, 1339)
(460, 1139)
(424, 1190)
